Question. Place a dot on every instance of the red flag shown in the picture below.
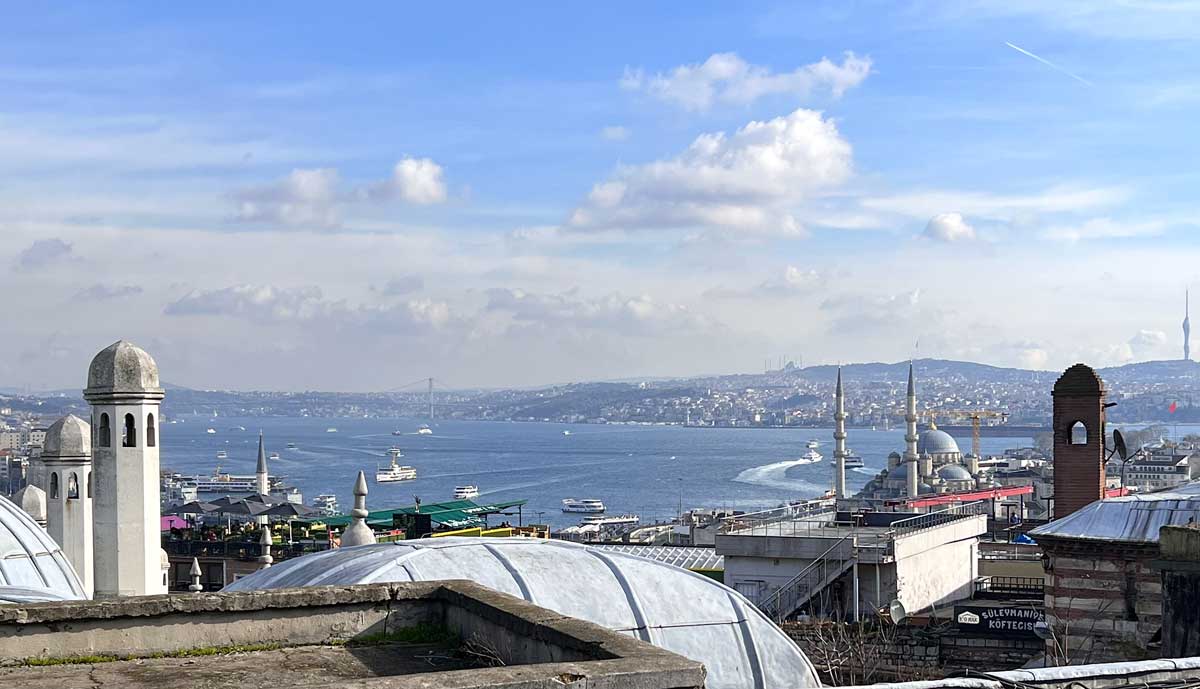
(1172, 408)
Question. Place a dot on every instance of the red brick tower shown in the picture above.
(1078, 439)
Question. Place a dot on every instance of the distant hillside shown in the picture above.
(966, 371)
(1174, 370)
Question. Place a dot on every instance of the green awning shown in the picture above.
(455, 514)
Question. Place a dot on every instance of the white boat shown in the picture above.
(291, 446)
(622, 520)
(237, 428)
(331, 429)
(222, 454)
(395, 472)
(273, 455)
(211, 430)
(584, 505)
(813, 443)
(424, 430)
(811, 457)
(397, 432)
(466, 492)
(566, 432)
(326, 504)
(853, 461)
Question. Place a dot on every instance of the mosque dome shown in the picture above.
(70, 436)
(665, 605)
(899, 473)
(35, 568)
(123, 367)
(924, 489)
(894, 455)
(32, 500)
(935, 442)
(954, 472)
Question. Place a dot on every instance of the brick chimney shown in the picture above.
(1078, 439)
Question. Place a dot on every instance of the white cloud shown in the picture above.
(1149, 344)
(414, 180)
(791, 282)
(949, 227)
(925, 204)
(614, 133)
(743, 183)
(401, 285)
(305, 197)
(630, 315)
(1105, 228)
(43, 253)
(727, 78)
(99, 292)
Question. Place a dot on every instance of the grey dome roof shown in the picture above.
(70, 436)
(894, 454)
(32, 566)
(670, 607)
(937, 442)
(123, 367)
(900, 472)
(954, 472)
(31, 500)
(924, 488)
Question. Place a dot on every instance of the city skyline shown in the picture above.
(304, 199)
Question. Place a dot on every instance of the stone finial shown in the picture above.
(265, 541)
(194, 573)
(32, 499)
(358, 533)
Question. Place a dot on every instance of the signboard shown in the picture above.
(1003, 620)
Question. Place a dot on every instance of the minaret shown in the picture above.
(910, 435)
(358, 533)
(839, 439)
(67, 461)
(1187, 329)
(262, 482)
(124, 392)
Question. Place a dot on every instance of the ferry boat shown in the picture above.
(424, 430)
(211, 430)
(584, 505)
(466, 492)
(395, 471)
(291, 446)
(622, 520)
(237, 428)
(813, 443)
(397, 432)
(853, 460)
(331, 429)
(811, 457)
(225, 484)
(273, 455)
(566, 432)
(222, 454)
(326, 504)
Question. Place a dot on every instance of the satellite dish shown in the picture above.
(1041, 629)
(1119, 443)
(897, 612)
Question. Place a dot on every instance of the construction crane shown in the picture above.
(975, 415)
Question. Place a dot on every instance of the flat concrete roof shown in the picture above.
(299, 666)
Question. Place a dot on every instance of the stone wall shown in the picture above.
(1180, 564)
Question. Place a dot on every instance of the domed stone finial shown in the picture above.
(194, 574)
(69, 437)
(265, 541)
(122, 368)
(32, 500)
(358, 533)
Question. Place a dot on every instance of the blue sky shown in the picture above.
(551, 192)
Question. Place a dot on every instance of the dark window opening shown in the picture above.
(149, 430)
(104, 432)
(130, 439)
(54, 486)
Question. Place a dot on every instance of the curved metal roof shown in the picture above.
(670, 607)
(688, 557)
(31, 560)
(1131, 518)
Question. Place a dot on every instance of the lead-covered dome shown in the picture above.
(668, 606)
(70, 436)
(935, 442)
(122, 367)
(32, 566)
(954, 472)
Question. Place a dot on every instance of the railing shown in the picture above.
(931, 520)
(788, 520)
(798, 590)
(1010, 587)
(242, 550)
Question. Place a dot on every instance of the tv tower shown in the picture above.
(1187, 329)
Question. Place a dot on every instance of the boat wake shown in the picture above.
(864, 470)
(775, 476)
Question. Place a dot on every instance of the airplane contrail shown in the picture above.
(1049, 64)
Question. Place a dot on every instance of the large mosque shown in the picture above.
(931, 463)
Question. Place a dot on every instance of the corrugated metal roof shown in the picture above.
(32, 566)
(1132, 518)
(681, 611)
(456, 514)
(687, 557)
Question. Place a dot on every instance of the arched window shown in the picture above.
(130, 437)
(73, 487)
(150, 430)
(1078, 433)
(104, 432)
(54, 485)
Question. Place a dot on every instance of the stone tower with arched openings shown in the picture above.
(67, 468)
(1078, 439)
(124, 392)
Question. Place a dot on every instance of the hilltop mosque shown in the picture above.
(931, 463)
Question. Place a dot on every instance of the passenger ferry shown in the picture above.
(326, 505)
(273, 455)
(291, 446)
(211, 430)
(466, 492)
(222, 454)
(331, 429)
(395, 472)
(811, 457)
(424, 430)
(853, 460)
(584, 505)
(813, 443)
(623, 520)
